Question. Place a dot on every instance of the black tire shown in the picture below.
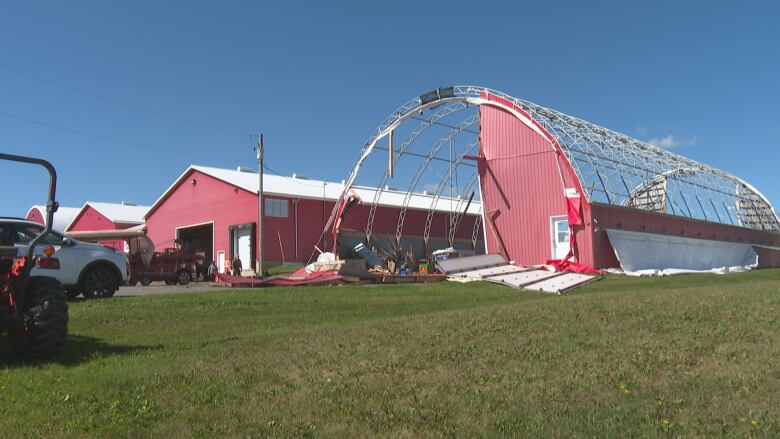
(46, 334)
(183, 277)
(145, 281)
(72, 294)
(99, 282)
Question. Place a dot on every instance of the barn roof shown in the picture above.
(288, 186)
(124, 213)
(62, 217)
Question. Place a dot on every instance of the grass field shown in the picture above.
(688, 356)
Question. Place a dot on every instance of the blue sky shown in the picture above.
(174, 83)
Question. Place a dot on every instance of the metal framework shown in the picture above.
(611, 167)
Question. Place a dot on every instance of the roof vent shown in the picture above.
(300, 176)
(244, 169)
(127, 203)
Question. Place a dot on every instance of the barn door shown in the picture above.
(560, 237)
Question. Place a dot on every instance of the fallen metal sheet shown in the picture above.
(489, 272)
(564, 282)
(470, 263)
(519, 280)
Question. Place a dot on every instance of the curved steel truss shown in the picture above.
(612, 167)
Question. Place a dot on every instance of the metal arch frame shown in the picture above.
(421, 127)
(470, 94)
(584, 145)
(449, 136)
(440, 188)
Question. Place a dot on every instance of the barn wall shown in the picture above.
(622, 218)
(89, 219)
(199, 199)
(521, 189)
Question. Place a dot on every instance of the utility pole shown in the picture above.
(260, 231)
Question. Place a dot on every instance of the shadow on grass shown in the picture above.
(78, 349)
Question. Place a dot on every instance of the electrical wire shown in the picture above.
(109, 139)
(118, 102)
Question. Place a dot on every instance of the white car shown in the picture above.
(89, 269)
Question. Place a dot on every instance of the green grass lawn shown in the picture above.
(688, 356)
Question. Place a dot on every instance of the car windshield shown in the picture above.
(25, 233)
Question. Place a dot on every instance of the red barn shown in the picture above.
(94, 216)
(62, 217)
(552, 184)
(215, 211)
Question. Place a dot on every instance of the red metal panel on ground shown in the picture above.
(623, 218)
(521, 189)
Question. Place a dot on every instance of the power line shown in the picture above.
(109, 139)
(118, 102)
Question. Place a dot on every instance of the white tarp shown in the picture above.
(653, 254)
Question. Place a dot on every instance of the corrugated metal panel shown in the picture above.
(562, 283)
(488, 272)
(520, 280)
(521, 187)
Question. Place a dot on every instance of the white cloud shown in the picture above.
(671, 141)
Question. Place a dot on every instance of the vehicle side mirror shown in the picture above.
(66, 241)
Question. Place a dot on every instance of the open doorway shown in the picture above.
(198, 239)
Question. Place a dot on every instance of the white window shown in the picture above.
(275, 207)
(562, 229)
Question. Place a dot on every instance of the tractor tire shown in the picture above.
(145, 281)
(183, 277)
(99, 282)
(46, 334)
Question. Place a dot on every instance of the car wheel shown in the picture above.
(99, 282)
(145, 281)
(183, 277)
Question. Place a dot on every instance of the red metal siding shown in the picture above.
(200, 199)
(622, 218)
(521, 185)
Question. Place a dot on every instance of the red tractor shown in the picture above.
(33, 309)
